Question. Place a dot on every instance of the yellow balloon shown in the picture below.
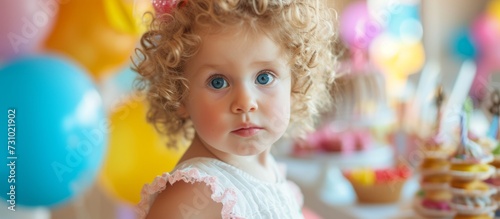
(396, 57)
(493, 9)
(82, 32)
(136, 153)
(127, 15)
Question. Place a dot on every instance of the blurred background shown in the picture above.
(78, 146)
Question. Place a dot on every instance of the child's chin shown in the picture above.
(250, 150)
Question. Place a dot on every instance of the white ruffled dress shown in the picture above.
(241, 195)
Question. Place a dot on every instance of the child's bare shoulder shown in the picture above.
(185, 200)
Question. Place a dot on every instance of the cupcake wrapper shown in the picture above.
(378, 193)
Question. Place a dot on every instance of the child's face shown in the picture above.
(239, 92)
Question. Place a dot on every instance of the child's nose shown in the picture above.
(244, 100)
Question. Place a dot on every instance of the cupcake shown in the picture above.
(472, 198)
(434, 203)
(375, 186)
(471, 162)
(433, 200)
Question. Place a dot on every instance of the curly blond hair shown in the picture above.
(304, 28)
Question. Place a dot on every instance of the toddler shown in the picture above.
(232, 77)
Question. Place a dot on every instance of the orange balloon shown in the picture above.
(136, 153)
(83, 33)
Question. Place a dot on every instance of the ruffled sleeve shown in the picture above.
(227, 197)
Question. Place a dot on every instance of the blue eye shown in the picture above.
(264, 78)
(218, 83)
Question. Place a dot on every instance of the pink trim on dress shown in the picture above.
(149, 192)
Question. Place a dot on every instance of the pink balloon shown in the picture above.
(486, 34)
(24, 24)
(357, 27)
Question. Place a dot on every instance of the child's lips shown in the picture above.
(247, 132)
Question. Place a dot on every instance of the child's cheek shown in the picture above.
(280, 114)
(209, 121)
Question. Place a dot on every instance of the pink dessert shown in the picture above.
(328, 140)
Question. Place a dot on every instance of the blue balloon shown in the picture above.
(125, 79)
(54, 131)
(400, 15)
(463, 44)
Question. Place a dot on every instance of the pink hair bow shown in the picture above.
(165, 6)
